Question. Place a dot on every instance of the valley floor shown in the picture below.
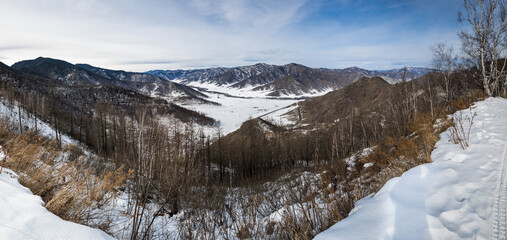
(462, 194)
(233, 111)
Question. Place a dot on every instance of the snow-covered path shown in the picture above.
(499, 223)
(460, 195)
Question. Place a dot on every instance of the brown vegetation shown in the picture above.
(68, 188)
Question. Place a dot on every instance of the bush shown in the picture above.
(460, 127)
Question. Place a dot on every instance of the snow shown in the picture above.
(283, 116)
(11, 112)
(163, 227)
(241, 104)
(23, 216)
(233, 111)
(248, 91)
(457, 196)
(351, 161)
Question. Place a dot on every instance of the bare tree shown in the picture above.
(445, 61)
(485, 43)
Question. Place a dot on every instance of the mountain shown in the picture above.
(305, 80)
(392, 75)
(292, 79)
(364, 95)
(120, 75)
(83, 74)
(79, 96)
(258, 74)
(147, 83)
(61, 71)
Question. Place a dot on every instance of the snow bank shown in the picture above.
(23, 216)
(450, 198)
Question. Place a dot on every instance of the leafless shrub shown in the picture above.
(460, 127)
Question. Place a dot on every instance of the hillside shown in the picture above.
(366, 95)
(306, 81)
(148, 84)
(85, 112)
(459, 195)
(77, 89)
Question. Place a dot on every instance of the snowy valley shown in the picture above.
(276, 120)
(320, 171)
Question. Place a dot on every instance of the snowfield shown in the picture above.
(233, 111)
(462, 194)
(23, 216)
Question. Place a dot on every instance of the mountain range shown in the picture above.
(77, 91)
(283, 81)
(84, 74)
(76, 84)
(259, 80)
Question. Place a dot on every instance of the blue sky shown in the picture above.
(156, 34)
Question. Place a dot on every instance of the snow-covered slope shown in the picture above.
(23, 216)
(11, 112)
(457, 196)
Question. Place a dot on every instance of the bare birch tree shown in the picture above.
(485, 43)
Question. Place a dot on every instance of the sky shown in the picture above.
(142, 35)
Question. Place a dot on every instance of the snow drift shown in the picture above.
(23, 216)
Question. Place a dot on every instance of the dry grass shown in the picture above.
(68, 189)
(394, 156)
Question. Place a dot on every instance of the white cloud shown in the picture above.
(250, 14)
(156, 34)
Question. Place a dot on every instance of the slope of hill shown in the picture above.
(391, 75)
(306, 81)
(364, 95)
(460, 195)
